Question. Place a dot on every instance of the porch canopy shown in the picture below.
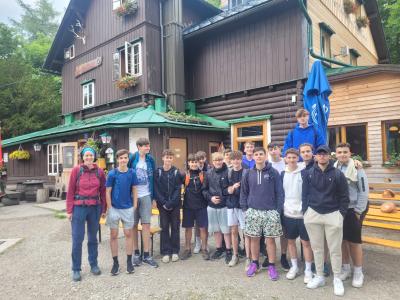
(133, 118)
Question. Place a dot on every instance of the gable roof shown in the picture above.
(77, 9)
(132, 118)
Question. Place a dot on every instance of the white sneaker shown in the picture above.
(316, 282)
(345, 274)
(197, 246)
(358, 280)
(234, 261)
(165, 259)
(308, 276)
(175, 257)
(293, 272)
(338, 288)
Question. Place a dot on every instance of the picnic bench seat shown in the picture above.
(381, 242)
(378, 196)
(153, 231)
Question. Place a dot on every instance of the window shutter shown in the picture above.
(128, 58)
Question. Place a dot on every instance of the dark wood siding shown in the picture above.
(263, 49)
(196, 140)
(277, 103)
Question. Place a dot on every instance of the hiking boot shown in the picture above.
(175, 257)
(293, 272)
(165, 259)
(115, 269)
(205, 254)
(234, 261)
(265, 264)
(273, 273)
(219, 253)
(252, 270)
(338, 288)
(129, 267)
(358, 279)
(95, 270)
(316, 282)
(197, 246)
(186, 254)
(150, 261)
(136, 260)
(284, 263)
(308, 276)
(76, 276)
(228, 256)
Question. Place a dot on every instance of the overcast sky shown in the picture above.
(10, 8)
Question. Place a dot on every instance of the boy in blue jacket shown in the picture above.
(167, 192)
(303, 133)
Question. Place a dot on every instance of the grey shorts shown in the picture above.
(115, 215)
(262, 222)
(218, 220)
(143, 211)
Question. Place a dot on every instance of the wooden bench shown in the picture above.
(378, 196)
(153, 231)
(381, 242)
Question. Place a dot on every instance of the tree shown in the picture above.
(390, 14)
(36, 20)
(216, 3)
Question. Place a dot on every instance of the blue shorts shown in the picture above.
(192, 215)
(295, 228)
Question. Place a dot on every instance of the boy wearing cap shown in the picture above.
(325, 200)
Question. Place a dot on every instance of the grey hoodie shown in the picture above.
(358, 191)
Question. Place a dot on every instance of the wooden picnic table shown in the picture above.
(378, 196)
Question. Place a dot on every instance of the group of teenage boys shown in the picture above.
(246, 197)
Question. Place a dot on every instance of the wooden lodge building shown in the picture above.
(190, 76)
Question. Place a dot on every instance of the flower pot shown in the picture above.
(8, 202)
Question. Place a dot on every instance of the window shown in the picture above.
(88, 94)
(69, 53)
(234, 3)
(52, 159)
(390, 138)
(354, 55)
(116, 4)
(326, 32)
(249, 132)
(130, 58)
(355, 135)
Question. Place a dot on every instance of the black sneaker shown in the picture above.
(115, 270)
(150, 261)
(228, 256)
(242, 252)
(186, 254)
(265, 264)
(284, 263)
(129, 267)
(219, 253)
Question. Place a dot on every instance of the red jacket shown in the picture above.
(91, 183)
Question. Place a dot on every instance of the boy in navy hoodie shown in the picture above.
(261, 197)
(167, 192)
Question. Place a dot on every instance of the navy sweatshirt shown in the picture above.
(325, 191)
(216, 184)
(262, 189)
(167, 187)
(234, 199)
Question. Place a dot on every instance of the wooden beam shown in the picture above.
(381, 242)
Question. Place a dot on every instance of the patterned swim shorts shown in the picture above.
(263, 222)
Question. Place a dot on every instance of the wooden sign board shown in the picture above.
(88, 66)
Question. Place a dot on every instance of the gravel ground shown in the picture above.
(38, 267)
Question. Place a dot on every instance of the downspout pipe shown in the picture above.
(310, 39)
(162, 52)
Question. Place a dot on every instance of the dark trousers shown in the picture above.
(170, 221)
(82, 215)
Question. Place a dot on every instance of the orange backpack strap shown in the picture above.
(201, 177)
(187, 179)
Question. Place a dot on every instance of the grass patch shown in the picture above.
(60, 215)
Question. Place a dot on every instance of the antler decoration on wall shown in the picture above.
(80, 34)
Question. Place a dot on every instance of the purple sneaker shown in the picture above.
(273, 273)
(251, 271)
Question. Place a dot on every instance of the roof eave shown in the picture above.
(372, 70)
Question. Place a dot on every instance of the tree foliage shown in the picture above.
(30, 99)
(390, 14)
(216, 3)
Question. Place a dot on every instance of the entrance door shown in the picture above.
(69, 159)
(179, 146)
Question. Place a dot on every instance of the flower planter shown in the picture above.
(128, 7)
(348, 6)
(126, 82)
(362, 22)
